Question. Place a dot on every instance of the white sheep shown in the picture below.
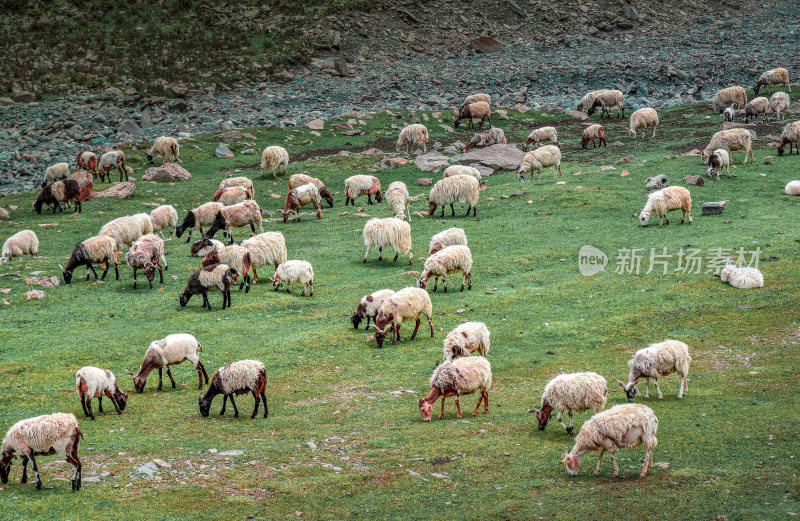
(724, 97)
(147, 253)
(460, 377)
(236, 257)
(478, 110)
(273, 158)
(203, 246)
(445, 238)
(452, 170)
(733, 139)
(456, 189)
(643, 118)
(19, 244)
(729, 114)
(38, 436)
(486, 138)
(607, 101)
(369, 306)
(759, 106)
(414, 134)
(588, 99)
(741, 277)
(111, 160)
(268, 248)
(244, 182)
(792, 188)
(626, 425)
(299, 197)
(390, 231)
(407, 304)
(538, 135)
(790, 136)
(196, 218)
(93, 382)
(717, 161)
(398, 199)
(231, 195)
(655, 361)
(164, 217)
(441, 264)
(474, 98)
(303, 179)
(465, 339)
(56, 172)
(237, 378)
(662, 201)
(127, 229)
(170, 350)
(167, 148)
(246, 213)
(542, 157)
(779, 76)
(100, 249)
(575, 392)
(779, 104)
(357, 185)
(297, 271)
(591, 134)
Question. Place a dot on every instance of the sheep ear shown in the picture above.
(130, 373)
(61, 267)
(537, 411)
(619, 382)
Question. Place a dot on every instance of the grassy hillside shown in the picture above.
(344, 438)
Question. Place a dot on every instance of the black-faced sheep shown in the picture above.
(171, 350)
(196, 218)
(369, 307)
(210, 278)
(100, 249)
(237, 378)
(478, 110)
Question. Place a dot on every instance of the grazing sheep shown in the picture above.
(740, 277)
(301, 196)
(273, 158)
(203, 246)
(244, 182)
(196, 218)
(655, 361)
(147, 253)
(407, 304)
(452, 170)
(448, 237)
(725, 97)
(607, 101)
(398, 199)
(170, 350)
(19, 244)
(456, 189)
(230, 196)
(450, 260)
(167, 148)
(542, 157)
(164, 217)
(465, 339)
(790, 135)
(537, 136)
(460, 377)
(390, 231)
(268, 248)
(626, 425)
(42, 435)
(237, 257)
(474, 98)
(779, 104)
(716, 161)
(109, 161)
(755, 107)
(210, 278)
(733, 139)
(93, 382)
(729, 114)
(358, 185)
(792, 188)
(662, 201)
(127, 229)
(591, 133)
(100, 249)
(369, 306)
(478, 110)
(588, 100)
(52, 195)
(414, 134)
(56, 172)
(576, 392)
(236, 216)
(486, 138)
(87, 160)
(643, 118)
(779, 76)
(297, 271)
(237, 378)
(303, 179)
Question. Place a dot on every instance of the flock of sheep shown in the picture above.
(234, 206)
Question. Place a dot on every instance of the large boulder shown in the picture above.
(485, 44)
(498, 157)
(432, 161)
(121, 190)
(129, 126)
(656, 183)
(166, 172)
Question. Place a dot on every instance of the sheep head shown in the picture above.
(644, 218)
(380, 334)
(5, 464)
(66, 274)
(425, 409)
(630, 389)
(571, 462)
(122, 398)
(150, 271)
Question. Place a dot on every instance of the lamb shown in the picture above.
(716, 161)
(465, 339)
(236, 216)
(478, 110)
(538, 135)
(729, 114)
(790, 135)
(369, 306)
(210, 278)
(741, 277)
(19, 244)
(170, 350)
(792, 188)
(460, 377)
(779, 76)
(243, 182)
(100, 249)
(230, 196)
(358, 185)
(655, 361)
(237, 257)
(608, 100)
(52, 195)
(237, 378)
(110, 160)
(576, 392)
(414, 134)
(474, 98)
(266, 248)
(301, 196)
(625, 425)
(303, 179)
(167, 148)
(733, 139)
(196, 218)
(164, 217)
(42, 435)
(539, 159)
(779, 104)
(754, 108)
(591, 133)
(407, 304)
(87, 160)
(725, 97)
(448, 237)
(456, 189)
(390, 231)
(93, 382)
(462, 170)
(147, 253)
(56, 172)
(643, 118)
(297, 271)
(662, 201)
(588, 100)
(486, 138)
(398, 199)
(273, 158)
(203, 246)
(127, 229)
(450, 260)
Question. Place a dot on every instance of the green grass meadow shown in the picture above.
(344, 438)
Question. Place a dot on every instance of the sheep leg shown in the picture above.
(614, 461)
(255, 409)
(206, 303)
(647, 389)
(559, 420)
(658, 388)
(90, 267)
(100, 403)
(599, 460)
(90, 413)
(113, 401)
(441, 414)
(648, 462)
(105, 271)
(571, 428)
(416, 328)
(161, 273)
(35, 469)
(478, 406)
(430, 323)
(159, 378)
(303, 294)
(395, 334)
(255, 275)
(435, 283)
(452, 210)
(264, 401)
(235, 409)
(469, 281)
(169, 373)
(458, 406)
(288, 286)
(442, 215)
(365, 255)
(463, 281)
(311, 285)
(485, 401)
(444, 283)
(224, 403)
(24, 470)
(134, 280)
(469, 209)
(369, 198)
(201, 372)
(380, 253)
(83, 404)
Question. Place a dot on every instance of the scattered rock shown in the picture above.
(485, 44)
(713, 208)
(432, 161)
(35, 294)
(316, 124)
(340, 66)
(518, 194)
(656, 183)
(393, 162)
(4, 214)
(129, 126)
(617, 144)
(233, 135)
(694, 180)
(45, 282)
(222, 150)
(166, 172)
(121, 190)
(232, 452)
(4, 102)
(424, 181)
(25, 97)
(146, 471)
(498, 157)
(576, 114)
(630, 158)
